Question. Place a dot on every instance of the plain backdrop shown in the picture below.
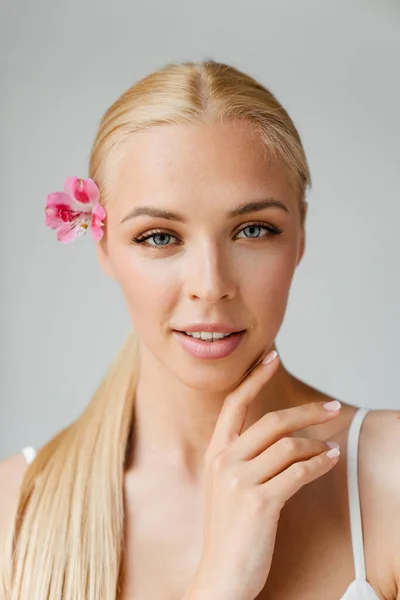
(335, 68)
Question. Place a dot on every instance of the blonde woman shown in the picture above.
(202, 468)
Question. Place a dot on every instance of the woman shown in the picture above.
(173, 481)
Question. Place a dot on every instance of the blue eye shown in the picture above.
(159, 235)
(254, 228)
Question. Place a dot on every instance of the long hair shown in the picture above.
(67, 539)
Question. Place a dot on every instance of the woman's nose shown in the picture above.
(209, 277)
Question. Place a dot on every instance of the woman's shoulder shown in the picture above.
(379, 479)
(12, 471)
(380, 446)
(379, 449)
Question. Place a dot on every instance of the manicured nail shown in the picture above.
(270, 357)
(332, 406)
(334, 453)
(333, 445)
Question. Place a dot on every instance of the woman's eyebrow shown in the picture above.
(242, 209)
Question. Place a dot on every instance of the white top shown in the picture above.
(359, 588)
(29, 453)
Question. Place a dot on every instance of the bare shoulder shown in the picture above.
(379, 479)
(380, 449)
(12, 471)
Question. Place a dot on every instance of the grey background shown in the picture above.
(333, 65)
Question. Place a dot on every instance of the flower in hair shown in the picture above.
(76, 210)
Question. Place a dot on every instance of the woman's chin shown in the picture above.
(219, 381)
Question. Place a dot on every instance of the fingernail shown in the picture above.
(334, 453)
(332, 406)
(333, 445)
(270, 357)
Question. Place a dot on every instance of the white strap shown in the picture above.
(353, 490)
(30, 453)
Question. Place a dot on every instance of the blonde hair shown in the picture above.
(67, 540)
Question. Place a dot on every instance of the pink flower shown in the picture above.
(72, 212)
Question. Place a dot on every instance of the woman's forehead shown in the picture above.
(217, 159)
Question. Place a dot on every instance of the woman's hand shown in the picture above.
(248, 479)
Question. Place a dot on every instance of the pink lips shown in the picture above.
(218, 349)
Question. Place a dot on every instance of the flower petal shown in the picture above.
(84, 191)
(67, 233)
(96, 232)
(52, 221)
(60, 214)
(56, 198)
(57, 216)
(92, 190)
(99, 212)
(70, 185)
(97, 224)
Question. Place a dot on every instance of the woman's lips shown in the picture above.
(211, 350)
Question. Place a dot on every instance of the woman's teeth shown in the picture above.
(208, 336)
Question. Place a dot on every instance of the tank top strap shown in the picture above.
(30, 453)
(353, 492)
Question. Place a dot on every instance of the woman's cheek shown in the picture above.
(147, 292)
(270, 291)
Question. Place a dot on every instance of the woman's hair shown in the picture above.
(67, 539)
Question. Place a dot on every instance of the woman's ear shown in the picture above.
(104, 258)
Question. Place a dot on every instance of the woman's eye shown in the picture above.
(161, 238)
(254, 231)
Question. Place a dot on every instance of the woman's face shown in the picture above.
(208, 265)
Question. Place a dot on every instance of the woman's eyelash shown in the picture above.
(273, 230)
